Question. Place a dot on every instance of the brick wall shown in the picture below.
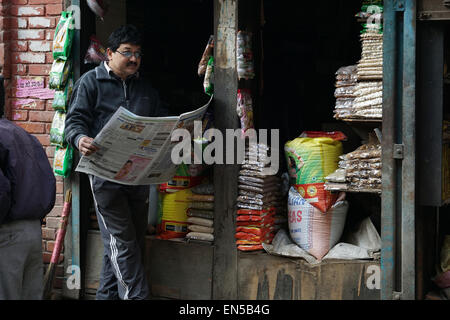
(26, 33)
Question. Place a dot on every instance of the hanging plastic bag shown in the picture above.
(57, 129)
(96, 53)
(244, 56)
(203, 64)
(98, 7)
(59, 73)
(244, 109)
(62, 41)
(62, 163)
(208, 83)
(62, 97)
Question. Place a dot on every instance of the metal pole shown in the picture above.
(409, 161)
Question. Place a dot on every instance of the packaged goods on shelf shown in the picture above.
(359, 170)
(200, 214)
(346, 79)
(259, 201)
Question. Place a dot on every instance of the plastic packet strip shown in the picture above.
(251, 173)
(268, 184)
(260, 180)
(206, 214)
(257, 189)
(364, 173)
(207, 188)
(259, 195)
(200, 228)
(200, 236)
(346, 70)
(202, 198)
(200, 221)
(255, 247)
(202, 205)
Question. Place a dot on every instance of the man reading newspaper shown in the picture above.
(121, 209)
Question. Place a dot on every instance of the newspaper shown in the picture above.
(136, 150)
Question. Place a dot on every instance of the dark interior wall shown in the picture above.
(175, 35)
(305, 42)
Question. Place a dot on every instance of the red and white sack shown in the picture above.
(312, 230)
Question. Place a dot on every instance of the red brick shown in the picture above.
(41, 22)
(32, 127)
(48, 233)
(28, 57)
(19, 115)
(47, 256)
(27, 11)
(48, 127)
(52, 222)
(49, 34)
(19, 69)
(28, 34)
(43, 1)
(18, 1)
(41, 116)
(16, 23)
(19, 45)
(39, 69)
(44, 139)
(59, 199)
(55, 212)
(50, 246)
(48, 57)
(40, 46)
(59, 187)
(54, 9)
(35, 105)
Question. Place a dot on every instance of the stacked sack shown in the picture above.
(358, 170)
(316, 217)
(346, 79)
(201, 213)
(369, 91)
(259, 200)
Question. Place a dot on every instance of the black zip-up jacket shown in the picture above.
(98, 94)
(27, 182)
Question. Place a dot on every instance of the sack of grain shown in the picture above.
(312, 230)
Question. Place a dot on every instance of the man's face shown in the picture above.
(121, 65)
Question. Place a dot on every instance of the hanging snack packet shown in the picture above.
(62, 41)
(244, 55)
(62, 164)
(62, 97)
(59, 73)
(203, 64)
(96, 53)
(208, 84)
(244, 109)
(57, 129)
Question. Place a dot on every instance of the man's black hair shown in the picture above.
(124, 34)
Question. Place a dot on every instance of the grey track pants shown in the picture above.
(21, 265)
(122, 213)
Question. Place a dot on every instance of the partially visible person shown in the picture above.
(27, 194)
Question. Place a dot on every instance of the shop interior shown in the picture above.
(298, 47)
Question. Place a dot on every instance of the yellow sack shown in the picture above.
(172, 222)
(309, 160)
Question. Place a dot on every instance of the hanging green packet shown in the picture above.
(62, 97)
(208, 83)
(57, 129)
(59, 73)
(62, 163)
(62, 41)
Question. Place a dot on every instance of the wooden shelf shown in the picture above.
(361, 120)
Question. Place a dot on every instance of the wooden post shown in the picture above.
(225, 176)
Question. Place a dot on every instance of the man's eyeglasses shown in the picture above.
(129, 54)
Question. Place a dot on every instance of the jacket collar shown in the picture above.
(104, 72)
